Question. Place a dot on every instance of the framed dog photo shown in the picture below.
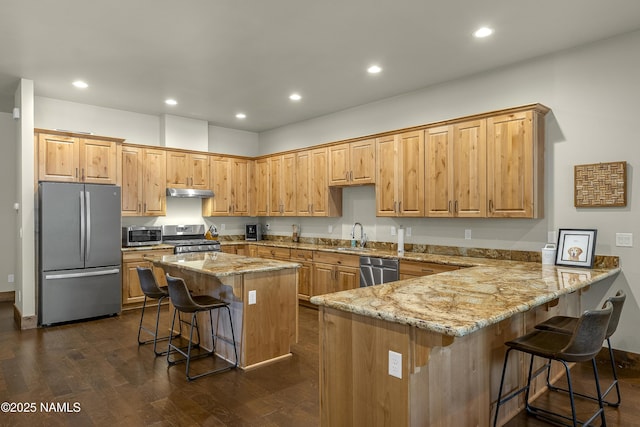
(576, 247)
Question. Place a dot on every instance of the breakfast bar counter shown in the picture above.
(444, 334)
(263, 299)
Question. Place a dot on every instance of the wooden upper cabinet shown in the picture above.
(230, 185)
(352, 163)
(66, 158)
(187, 170)
(439, 171)
(313, 195)
(400, 179)
(282, 189)
(154, 197)
(261, 185)
(515, 162)
(143, 181)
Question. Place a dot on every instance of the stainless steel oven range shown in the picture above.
(188, 238)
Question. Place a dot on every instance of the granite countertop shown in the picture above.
(459, 302)
(220, 264)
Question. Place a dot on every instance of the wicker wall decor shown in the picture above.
(600, 185)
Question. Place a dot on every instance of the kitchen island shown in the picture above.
(429, 351)
(263, 299)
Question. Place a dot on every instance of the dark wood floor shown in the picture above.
(99, 366)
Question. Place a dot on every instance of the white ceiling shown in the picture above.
(220, 57)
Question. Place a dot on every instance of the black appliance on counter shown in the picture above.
(253, 232)
(188, 238)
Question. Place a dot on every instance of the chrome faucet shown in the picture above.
(363, 237)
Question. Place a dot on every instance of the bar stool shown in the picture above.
(151, 290)
(184, 302)
(581, 345)
(566, 325)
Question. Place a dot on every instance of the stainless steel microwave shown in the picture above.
(141, 236)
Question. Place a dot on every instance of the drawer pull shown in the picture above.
(427, 270)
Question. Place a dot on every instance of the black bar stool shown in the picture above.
(151, 290)
(580, 346)
(184, 302)
(567, 324)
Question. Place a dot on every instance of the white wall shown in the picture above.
(8, 186)
(232, 141)
(592, 92)
(183, 133)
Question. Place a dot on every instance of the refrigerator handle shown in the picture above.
(82, 225)
(88, 221)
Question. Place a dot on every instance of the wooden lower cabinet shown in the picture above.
(305, 273)
(132, 296)
(334, 272)
(412, 269)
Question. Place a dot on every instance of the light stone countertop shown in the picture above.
(459, 302)
(219, 264)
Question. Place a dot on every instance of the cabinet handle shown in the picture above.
(427, 270)
(394, 207)
(400, 206)
(346, 176)
(145, 206)
(449, 207)
(490, 205)
(82, 174)
(139, 207)
(455, 209)
(76, 172)
(351, 176)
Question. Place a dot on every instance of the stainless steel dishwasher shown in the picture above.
(375, 271)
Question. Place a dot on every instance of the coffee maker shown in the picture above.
(253, 232)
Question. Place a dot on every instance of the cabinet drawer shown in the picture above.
(130, 256)
(271, 252)
(301, 255)
(415, 268)
(337, 259)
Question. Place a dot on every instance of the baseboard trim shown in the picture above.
(624, 359)
(9, 296)
(26, 322)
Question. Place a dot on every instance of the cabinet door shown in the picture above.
(219, 204)
(177, 169)
(386, 175)
(199, 171)
(132, 181)
(469, 172)
(58, 158)
(262, 187)
(439, 171)
(239, 187)
(514, 165)
(154, 193)
(131, 290)
(304, 185)
(98, 161)
(325, 201)
(304, 281)
(411, 174)
(346, 278)
(275, 177)
(288, 184)
(339, 167)
(323, 279)
(362, 155)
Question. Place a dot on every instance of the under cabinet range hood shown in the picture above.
(189, 192)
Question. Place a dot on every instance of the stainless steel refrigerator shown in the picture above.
(79, 251)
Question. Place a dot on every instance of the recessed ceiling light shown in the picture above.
(241, 116)
(483, 32)
(295, 97)
(171, 102)
(80, 84)
(374, 69)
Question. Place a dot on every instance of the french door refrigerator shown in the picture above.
(78, 251)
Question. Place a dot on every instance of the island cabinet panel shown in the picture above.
(446, 381)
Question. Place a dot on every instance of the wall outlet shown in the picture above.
(393, 230)
(408, 231)
(395, 364)
(467, 234)
(624, 240)
(252, 297)
(11, 278)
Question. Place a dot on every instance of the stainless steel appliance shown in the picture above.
(375, 271)
(253, 232)
(78, 251)
(188, 238)
(141, 236)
